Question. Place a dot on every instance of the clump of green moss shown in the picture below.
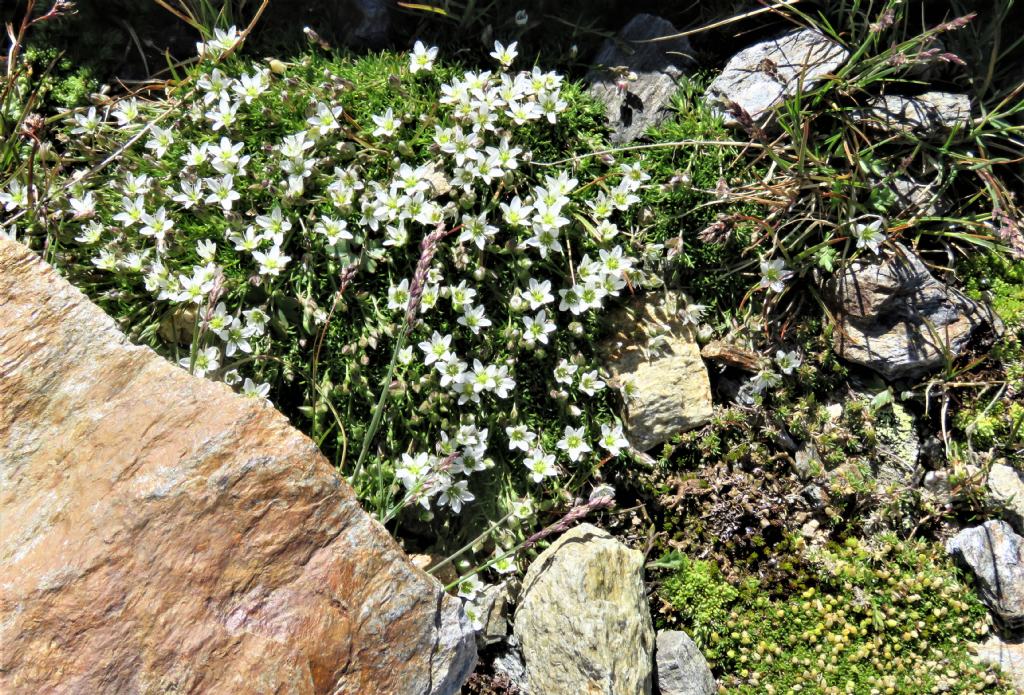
(876, 616)
(999, 279)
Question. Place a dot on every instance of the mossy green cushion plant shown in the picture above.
(878, 616)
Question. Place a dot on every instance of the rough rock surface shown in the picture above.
(1007, 656)
(643, 101)
(914, 197)
(996, 556)
(898, 320)
(654, 357)
(680, 667)
(162, 534)
(763, 75)
(930, 115)
(1006, 493)
(898, 447)
(583, 620)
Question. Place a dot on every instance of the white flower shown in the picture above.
(249, 240)
(503, 565)
(476, 229)
(869, 235)
(422, 58)
(326, 118)
(127, 111)
(519, 437)
(232, 377)
(255, 320)
(474, 319)
(161, 140)
(83, 207)
(222, 41)
(191, 194)
(414, 470)
(483, 378)
(207, 360)
(516, 214)
(564, 372)
(16, 196)
(765, 379)
(774, 275)
(612, 439)
(254, 390)
(573, 442)
(540, 465)
(225, 156)
(455, 495)
(536, 329)
(470, 587)
(335, 230)
(271, 262)
(572, 300)
(86, 123)
(224, 115)
(387, 124)
(250, 87)
(438, 348)
(222, 191)
(398, 296)
(693, 314)
(156, 225)
(538, 293)
(452, 371)
(787, 361)
(505, 55)
(590, 383)
(196, 155)
(461, 295)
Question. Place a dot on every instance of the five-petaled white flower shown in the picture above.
(422, 58)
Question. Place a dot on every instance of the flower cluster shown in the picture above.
(228, 216)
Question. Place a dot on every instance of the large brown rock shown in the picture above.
(161, 534)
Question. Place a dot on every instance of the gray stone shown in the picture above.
(765, 74)
(898, 320)
(653, 357)
(915, 198)
(492, 605)
(1007, 656)
(583, 619)
(996, 556)
(508, 662)
(1006, 494)
(680, 667)
(930, 115)
(636, 81)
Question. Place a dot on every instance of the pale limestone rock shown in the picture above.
(654, 358)
(897, 319)
(583, 619)
(765, 74)
(656, 68)
(163, 534)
